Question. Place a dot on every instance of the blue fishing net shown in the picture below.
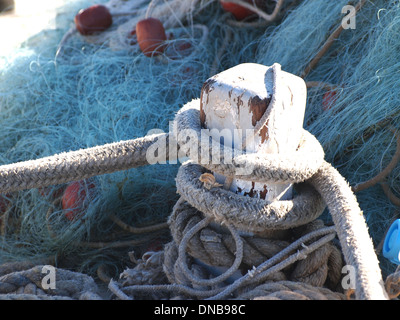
(88, 96)
(93, 94)
(363, 66)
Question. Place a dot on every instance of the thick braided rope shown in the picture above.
(246, 213)
(259, 274)
(77, 165)
(392, 284)
(293, 168)
(27, 296)
(352, 231)
(288, 290)
(181, 284)
(69, 285)
(214, 281)
(215, 247)
(230, 162)
(270, 290)
(218, 248)
(306, 163)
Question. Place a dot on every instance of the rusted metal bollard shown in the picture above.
(256, 109)
(263, 109)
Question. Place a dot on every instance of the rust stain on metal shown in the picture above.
(263, 193)
(291, 96)
(301, 143)
(208, 85)
(202, 116)
(252, 193)
(239, 100)
(264, 132)
(258, 107)
(206, 89)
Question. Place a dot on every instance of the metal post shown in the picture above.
(263, 109)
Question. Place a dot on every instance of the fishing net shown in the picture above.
(95, 95)
(361, 68)
(61, 91)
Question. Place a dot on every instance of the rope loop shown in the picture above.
(318, 185)
(196, 144)
(306, 167)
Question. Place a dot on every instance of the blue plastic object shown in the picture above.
(391, 246)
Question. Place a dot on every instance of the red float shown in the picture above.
(237, 10)
(93, 19)
(151, 35)
(76, 198)
(328, 100)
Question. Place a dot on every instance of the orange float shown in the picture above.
(237, 10)
(74, 200)
(151, 35)
(328, 100)
(96, 18)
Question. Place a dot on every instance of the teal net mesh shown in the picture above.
(93, 94)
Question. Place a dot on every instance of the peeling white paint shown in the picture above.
(226, 105)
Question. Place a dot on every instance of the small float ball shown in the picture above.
(328, 100)
(76, 197)
(93, 19)
(150, 35)
(237, 10)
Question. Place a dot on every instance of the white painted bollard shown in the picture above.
(263, 108)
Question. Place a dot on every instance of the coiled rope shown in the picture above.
(24, 281)
(323, 184)
(220, 249)
(256, 214)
